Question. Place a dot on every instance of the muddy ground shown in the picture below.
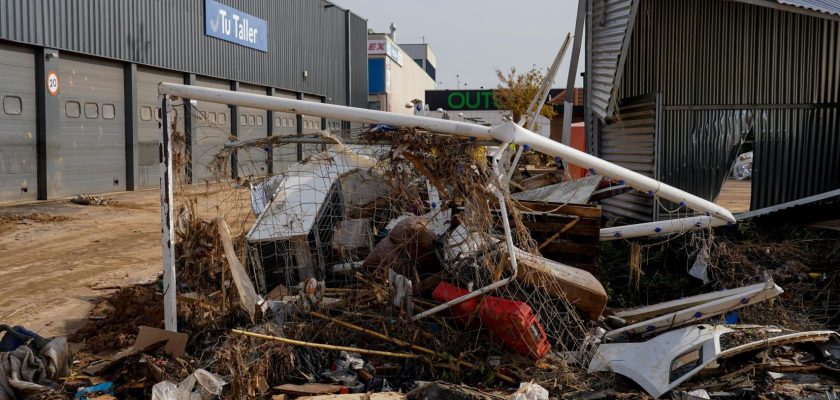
(57, 258)
(50, 269)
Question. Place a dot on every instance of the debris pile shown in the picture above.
(92, 200)
(410, 271)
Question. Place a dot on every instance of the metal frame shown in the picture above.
(167, 219)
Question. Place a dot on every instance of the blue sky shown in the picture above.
(472, 38)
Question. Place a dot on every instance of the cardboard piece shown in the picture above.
(176, 342)
(147, 337)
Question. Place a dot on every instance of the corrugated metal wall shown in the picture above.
(18, 160)
(303, 35)
(90, 156)
(629, 140)
(611, 21)
(729, 71)
(358, 55)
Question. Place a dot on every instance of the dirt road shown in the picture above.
(49, 268)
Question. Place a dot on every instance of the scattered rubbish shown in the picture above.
(743, 166)
(30, 364)
(422, 270)
(693, 310)
(530, 391)
(700, 268)
(663, 362)
(200, 384)
(95, 391)
(91, 200)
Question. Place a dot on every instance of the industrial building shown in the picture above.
(676, 89)
(397, 77)
(78, 82)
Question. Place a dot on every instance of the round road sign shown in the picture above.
(52, 83)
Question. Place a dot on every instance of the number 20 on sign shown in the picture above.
(52, 83)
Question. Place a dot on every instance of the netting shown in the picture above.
(368, 231)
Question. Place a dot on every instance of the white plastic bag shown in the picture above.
(209, 386)
(530, 391)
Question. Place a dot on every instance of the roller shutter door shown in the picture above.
(311, 125)
(90, 153)
(252, 125)
(212, 131)
(148, 122)
(18, 166)
(285, 124)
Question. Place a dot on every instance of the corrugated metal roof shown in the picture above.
(823, 6)
(611, 22)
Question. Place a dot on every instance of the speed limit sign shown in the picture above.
(52, 83)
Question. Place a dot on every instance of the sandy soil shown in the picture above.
(52, 272)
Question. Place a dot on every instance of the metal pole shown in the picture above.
(505, 132)
(568, 103)
(322, 140)
(167, 221)
(664, 227)
(535, 108)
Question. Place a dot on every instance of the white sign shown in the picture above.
(383, 46)
(52, 83)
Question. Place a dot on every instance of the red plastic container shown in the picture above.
(465, 312)
(511, 321)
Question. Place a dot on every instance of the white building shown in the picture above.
(395, 76)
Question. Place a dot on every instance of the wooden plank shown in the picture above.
(357, 396)
(303, 258)
(533, 207)
(569, 247)
(308, 389)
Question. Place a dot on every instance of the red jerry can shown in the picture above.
(511, 321)
(515, 324)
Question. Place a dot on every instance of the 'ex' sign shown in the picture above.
(232, 25)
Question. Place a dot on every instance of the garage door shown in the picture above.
(252, 125)
(90, 153)
(18, 166)
(285, 124)
(311, 125)
(148, 122)
(212, 131)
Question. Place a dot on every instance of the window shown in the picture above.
(222, 119)
(91, 110)
(259, 120)
(211, 117)
(252, 120)
(109, 111)
(292, 121)
(146, 113)
(243, 120)
(12, 105)
(72, 109)
(278, 121)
